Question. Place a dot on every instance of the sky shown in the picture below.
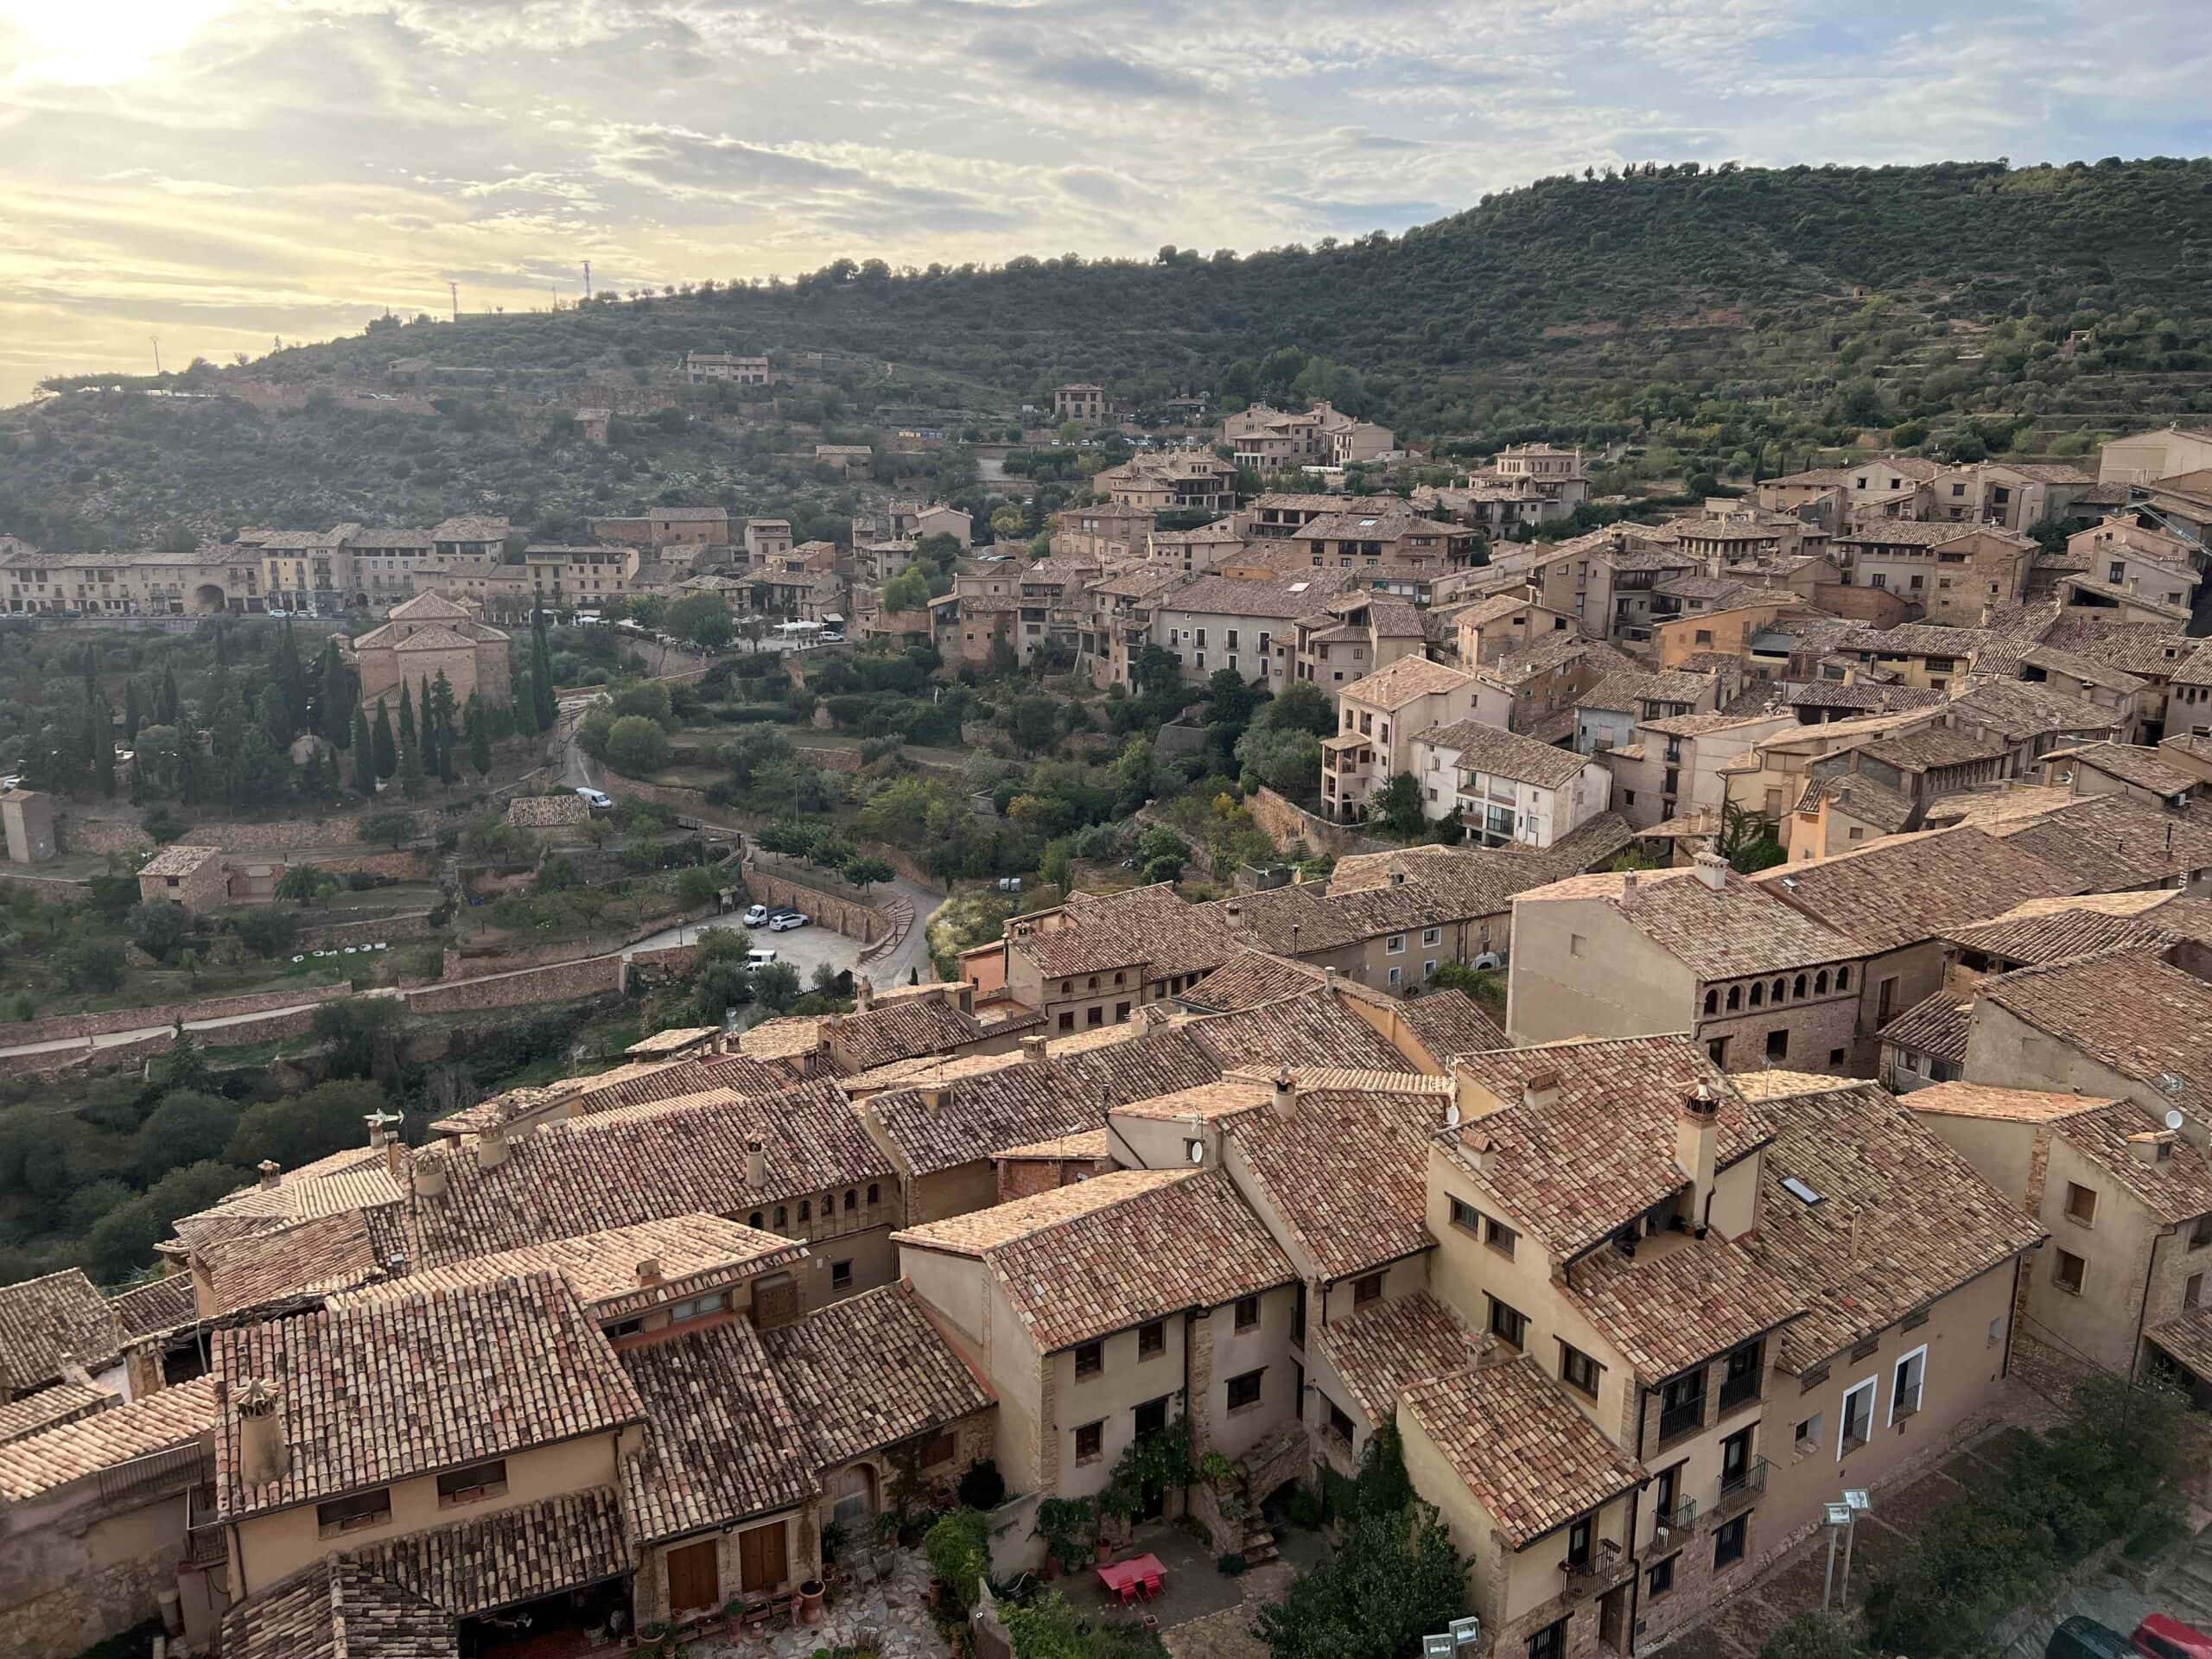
(215, 175)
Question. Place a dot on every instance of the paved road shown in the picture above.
(2184, 1591)
(807, 948)
(113, 1039)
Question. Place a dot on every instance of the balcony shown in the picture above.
(1740, 1390)
(1687, 1418)
(1595, 1571)
(1682, 1518)
(1739, 1491)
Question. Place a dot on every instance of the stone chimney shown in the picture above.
(1283, 1102)
(1628, 882)
(2152, 1146)
(491, 1147)
(262, 1454)
(396, 1158)
(1712, 869)
(72, 1370)
(863, 994)
(1697, 1145)
(271, 1173)
(756, 1164)
(934, 1096)
(649, 1273)
(428, 1175)
(1540, 1090)
(1476, 1144)
(1032, 1051)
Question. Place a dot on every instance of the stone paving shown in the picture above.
(891, 1620)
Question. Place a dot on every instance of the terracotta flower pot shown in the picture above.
(810, 1602)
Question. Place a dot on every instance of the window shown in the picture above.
(1728, 1542)
(1466, 1217)
(2067, 1271)
(1681, 1404)
(1245, 1391)
(1905, 1382)
(2201, 1234)
(872, 1192)
(1713, 1002)
(1740, 1377)
(697, 1308)
(1758, 995)
(1431, 936)
(1858, 1421)
(1397, 975)
(2081, 1204)
(1247, 1313)
(752, 1220)
(840, 1275)
(1067, 1022)
(1094, 1016)
(1807, 1434)
(1577, 1370)
(1367, 1289)
(1396, 945)
(354, 1514)
(1797, 986)
(2193, 1292)
(478, 1480)
(1575, 947)
(1843, 979)
(1820, 983)
(1660, 1579)
(1777, 1045)
(1090, 1442)
(1735, 998)
(1499, 1236)
(1151, 1418)
(1507, 1323)
(940, 1449)
(783, 1217)
(1340, 1422)
(1550, 1643)
(805, 1210)
(1716, 1050)
(852, 1200)
(1579, 1534)
(1121, 1013)
(1089, 1358)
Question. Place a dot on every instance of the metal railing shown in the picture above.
(1602, 1564)
(1740, 1487)
(1737, 1390)
(1682, 1419)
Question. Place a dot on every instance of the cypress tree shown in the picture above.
(337, 701)
(407, 730)
(479, 740)
(365, 755)
(541, 669)
(132, 718)
(291, 686)
(99, 736)
(167, 703)
(387, 752)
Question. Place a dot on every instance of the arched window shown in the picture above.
(1735, 998)
(1820, 983)
(852, 1198)
(1759, 993)
(783, 1215)
(805, 1210)
(1843, 979)
(1713, 1002)
(872, 1194)
(1781, 989)
(1798, 990)
(752, 1220)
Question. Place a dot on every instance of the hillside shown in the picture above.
(1725, 319)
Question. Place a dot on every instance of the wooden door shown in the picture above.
(1612, 1619)
(694, 1577)
(762, 1561)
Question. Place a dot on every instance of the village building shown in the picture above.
(1379, 718)
(1508, 790)
(427, 636)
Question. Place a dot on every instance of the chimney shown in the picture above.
(271, 1173)
(2152, 1146)
(1712, 869)
(863, 994)
(428, 1175)
(1233, 909)
(1284, 1101)
(649, 1272)
(1476, 1144)
(1697, 1145)
(1540, 1090)
(262, 1454)
(1032, 1051)
(1328, 978)
(934, 1096)
(756, 1164)
(1628, 882)
(396, 1159)
(72, 1370)
(491, 1147)
(1398, 878)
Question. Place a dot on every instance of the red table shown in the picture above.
(1139, 1576)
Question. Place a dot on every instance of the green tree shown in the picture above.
(1813, 1636)
(160, 928)
(302, 1127)
(702, 619)
(1034, 721)
(544, 706)
(266, 931)
(122, 1240)
(1287, 760)
(1747, 840)
(480, 737)
(304, 885)
(864, 871)
(359, 1032)
(364, 756)
(636, 746)
(90, 965)
(775, 986)
(392, 828)
(1302, 706)
(337, 706)
(188, 1126)
(387, 752)
(1397, 803)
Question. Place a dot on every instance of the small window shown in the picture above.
(1507, 1323)
(2201, 1234)
(805, 1210)
(1843, 979)
(1432, 935)
(1660, 1579)
(783, 1217)
(840, 1275)
(697, 1308)
(1247, 1313)
(1858, 1418)
(1735, 998)
(1366, 1288)
(1713, 1002)
(872, 1192)
(1067, 1021)
(1905, 1382)
(754, 1220)
(1576, 945)
(852, 1200)
(1090, 1442)
(2081, 1204)
(356, 1513)
(1728, 1542)
(1807, 1434)
(478, 1481)
(1089, 1358)
(1151, 1339)
(940, 1449)
(1396, 945)
(2193, 1292)
(1499, 1236)
(1820, 983)
(1245, 1391)
(1550, 1643)
(1577, 1370)
(2067, 1271)
(1758, 994)
(1466, 1215)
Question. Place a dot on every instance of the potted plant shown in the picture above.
(1069, 1528)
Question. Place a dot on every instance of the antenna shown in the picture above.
(587, 279)
(158, 354)
(456, 289)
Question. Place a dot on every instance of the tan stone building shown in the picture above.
(194, 879)
(1079, 401)
(1378, 720)
(1509, 791)
(424, 637)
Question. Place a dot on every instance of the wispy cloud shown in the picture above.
(223, 171)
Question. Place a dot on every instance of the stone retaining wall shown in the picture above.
(1293, 829)
(562, 981)
(849, 916)
(405, 926)
(56, 1027)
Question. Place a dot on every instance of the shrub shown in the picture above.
(1231, 1565)
(959, 1550)
(982, 1487)
(636, 745)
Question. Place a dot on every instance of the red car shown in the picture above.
(2160, 1637)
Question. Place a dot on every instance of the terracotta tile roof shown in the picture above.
(2109, 841)
(900, 1030)
(635, 1086)
(2151, 650)
(65, 1402)
(1739, 928)
(1936, 1026)
(1397, 684)
(1927, 747)
(2018, 710)
(156, 1308)
(2177, 1187)
(1235, 1093)
(1114, 1251)
(1991, 812)
(154, 1422)
(787, 1039)
(674, 1040)
(1904, 888)
(1861, 798)
(338, 1609)
(1963, 1099)
(1149, 926)
(940, 1126)
(1248, 978)
(1925, 1222)
(645, 1163)
(2128, 1011)
(1452, 1023)
(1626, 690)
(869, 1372)
(1875, 699)
(548, 812)
(1314, 1029)
(1373, 1143)
(1390, 1347)
(1526, 1453)
(723, 1443)
(1278, 596)
(510, 1556)
(42, 1319)
(179, 860)
(334, 1252)
(1088, 1143)
(2188, 1338)
(2044, 930)
(1145, 1063)
(1679, 1303)
(380, 1393)
(1482, 748)
(1573, 1170)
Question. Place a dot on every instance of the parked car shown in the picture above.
(2160, 1637)
(756, 915)
(2084, 1638)
(759, 957)
(783, 920)
(832, 636)
(598, 800)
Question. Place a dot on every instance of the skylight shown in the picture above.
(1799, 1190)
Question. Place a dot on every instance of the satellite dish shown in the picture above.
(2174, 1119)
(1452, 1115)
(1197, 1152)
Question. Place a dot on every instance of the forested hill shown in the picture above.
(1740, 314)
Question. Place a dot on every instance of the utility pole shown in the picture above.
(158, 354)
(456, 289)
(587, 279)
